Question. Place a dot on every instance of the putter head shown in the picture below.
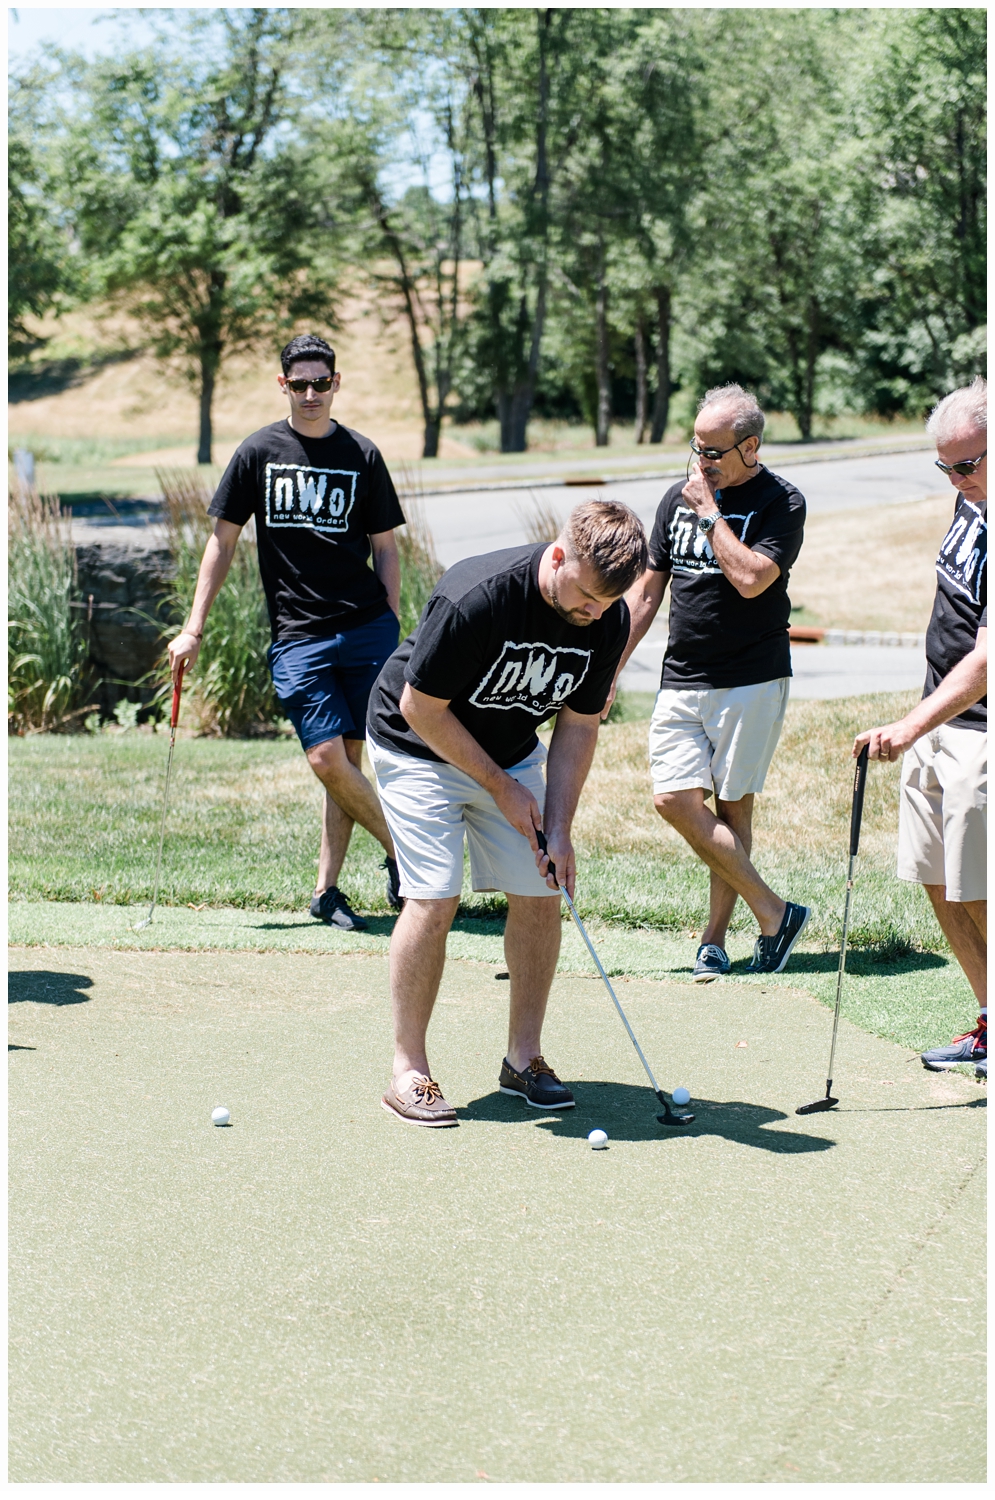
(140, 926)
(820, 1104)
(668, 1117)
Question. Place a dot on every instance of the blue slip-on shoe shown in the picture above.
(770, 954)
(710, 963)
(972, 1047)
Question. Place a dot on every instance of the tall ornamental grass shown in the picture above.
(47, 671)
(420, 567)
(230, 684)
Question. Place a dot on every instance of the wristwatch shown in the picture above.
(705, 523)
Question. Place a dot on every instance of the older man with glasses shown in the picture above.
(725, 540)
(943, 742)
(325, 511)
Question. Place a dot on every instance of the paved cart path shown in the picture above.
(320, 1292)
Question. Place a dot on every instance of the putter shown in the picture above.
(856, 812)
(668, 1117)
(173, 720)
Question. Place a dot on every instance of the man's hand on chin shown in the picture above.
(699, 492)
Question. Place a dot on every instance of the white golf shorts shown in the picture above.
(430, 806)
(943, 812)
(716, 738)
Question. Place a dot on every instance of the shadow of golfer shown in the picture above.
(375, 926)
(857, 962)
(628, 1113)
(47, 987)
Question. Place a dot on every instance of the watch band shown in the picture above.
(705, 523)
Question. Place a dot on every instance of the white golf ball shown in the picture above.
(681, 1096)
(220, 1116)
(597, 1140)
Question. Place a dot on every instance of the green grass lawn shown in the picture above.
(243, 834)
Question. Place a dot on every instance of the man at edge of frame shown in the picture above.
(943, 742)
(323, 502)
(506, 641)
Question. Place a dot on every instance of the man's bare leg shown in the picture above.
(722, 897)
(965, 926)
(718, 846)
(531, 948)
(417, 959)
(349, 799)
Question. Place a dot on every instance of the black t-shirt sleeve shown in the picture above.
(781, 532)
(383, 509)
(448, 653)
(235, 497)
(659, 544)
(592, 694)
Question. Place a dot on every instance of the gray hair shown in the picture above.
(967, 407)
(747, 418)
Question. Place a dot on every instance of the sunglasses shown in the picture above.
(319, 386)
(967, 467)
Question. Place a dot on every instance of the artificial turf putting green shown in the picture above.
(320, 1292)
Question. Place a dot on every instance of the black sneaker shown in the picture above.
(332, 907)
(711, 963)
(394, 898)
(770, 954)
(538, 1086)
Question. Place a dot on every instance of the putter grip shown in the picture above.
(541, 841)
(174, 717)
(857, 810)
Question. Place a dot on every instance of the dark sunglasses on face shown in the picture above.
(967, 467)
(319, 386)
(712, 453)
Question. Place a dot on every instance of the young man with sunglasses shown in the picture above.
(943, 811)
(325, 511)
(725, 541)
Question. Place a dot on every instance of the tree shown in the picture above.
(39, 260)
(195, 204)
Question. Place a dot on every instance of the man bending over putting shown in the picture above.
(323, 501)
(505, 641)
(725, 541)
(943, 811)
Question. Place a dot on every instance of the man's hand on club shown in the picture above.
(699, 492)
(887, 742)
(561, 854)
(184, 647)
(521, 809)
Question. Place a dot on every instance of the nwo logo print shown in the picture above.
(319, 498)
(532, 676)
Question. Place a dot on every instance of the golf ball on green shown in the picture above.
(681, 1096)
(597, 1140)
(220, 1116)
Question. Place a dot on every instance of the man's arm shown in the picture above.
(434, 722)
(571, 752)
(749, 572)
(963, 686)
(644, 600)
(214, 566)
(387, 566)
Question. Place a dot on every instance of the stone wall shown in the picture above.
(120, 596)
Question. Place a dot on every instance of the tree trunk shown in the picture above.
(603, 368)
(641, 391)
(661, 403)
(209, 360)
(430, 447)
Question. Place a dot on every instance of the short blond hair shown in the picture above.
(610, 537)
(966, 407)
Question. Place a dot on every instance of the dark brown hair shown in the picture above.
(610, 537)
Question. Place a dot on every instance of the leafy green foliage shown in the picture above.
(46, 640)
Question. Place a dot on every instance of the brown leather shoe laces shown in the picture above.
(426, 1092)
(540, 1065)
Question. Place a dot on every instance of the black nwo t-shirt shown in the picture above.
(488, 641)
(316, 502)
(961, 604)
(718, 639)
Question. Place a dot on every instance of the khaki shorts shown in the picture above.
(721, 738)
(430, 806)
(943, 813)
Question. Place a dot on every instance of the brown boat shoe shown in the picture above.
(421, 1103)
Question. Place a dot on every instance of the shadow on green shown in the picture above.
(47, 987)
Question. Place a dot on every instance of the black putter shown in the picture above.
(856, 812)
(668, 1117)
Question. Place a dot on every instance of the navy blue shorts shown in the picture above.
(324, 686)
